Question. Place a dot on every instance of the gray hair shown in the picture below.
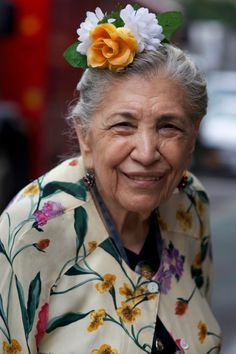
(168, 60)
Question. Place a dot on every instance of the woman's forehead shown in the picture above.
(139, 93)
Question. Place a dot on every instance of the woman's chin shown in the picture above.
(140, 204)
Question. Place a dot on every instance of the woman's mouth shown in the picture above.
(143, 180)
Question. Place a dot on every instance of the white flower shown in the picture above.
(90, 22)
(144, 26)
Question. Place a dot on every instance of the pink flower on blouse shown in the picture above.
(42, 323)
(49, 210)
(41, 218)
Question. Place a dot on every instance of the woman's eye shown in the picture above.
(122, 125)
(172, 128)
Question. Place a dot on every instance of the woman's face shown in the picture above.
(140, 141)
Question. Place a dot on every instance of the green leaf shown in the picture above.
(33, 299)
(77, 270)
(196, 272)
(118, 23)
(190, 180)
(113, 293)
(2, 312)
(75, 189)
(191, 197)
(35, 225)
(110, 248)
(2, 248)
(199, 281)
(197, 276)
(203, 196)
(80, 225)
(204, 247)
(24, 313)
(64, 320)
(171, 21)
(74, 58)
(136, 6)
(115, 15)
(182, 300)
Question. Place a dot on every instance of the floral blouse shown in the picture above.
(65, 288)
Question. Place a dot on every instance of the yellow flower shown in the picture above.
(152, 296)
(97, 318)
(126, 291)
(104, 349)
(163, 225)
(106, 284)
(184, 218)
(32, 189)
(128, 313)
(112, 47)
(92, 245)
(13, 348)
(135, 295)
(202, 331)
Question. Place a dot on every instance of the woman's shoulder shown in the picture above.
(193, 189)
(196, 182)
(187, 210)
(49, 197)
(198, 195)
(61, 179)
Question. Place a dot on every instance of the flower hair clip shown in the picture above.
(112, 40)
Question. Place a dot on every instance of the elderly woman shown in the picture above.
(110, 252)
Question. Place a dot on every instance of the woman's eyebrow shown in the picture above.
(163, 118)
(172, 117)
(124, 114)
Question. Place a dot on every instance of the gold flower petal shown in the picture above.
(202, 333)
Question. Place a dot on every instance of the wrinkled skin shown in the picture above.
(140, 141)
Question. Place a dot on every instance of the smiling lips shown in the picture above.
(143, 177)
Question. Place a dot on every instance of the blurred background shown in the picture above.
(37, 86)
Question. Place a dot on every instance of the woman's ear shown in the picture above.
(84, 138)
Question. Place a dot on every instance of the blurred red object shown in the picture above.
(23, 68)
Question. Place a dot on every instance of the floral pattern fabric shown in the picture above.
(64, 287)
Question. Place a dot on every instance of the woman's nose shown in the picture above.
(145, 149)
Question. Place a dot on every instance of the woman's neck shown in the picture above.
(132, 227)
(133, 232)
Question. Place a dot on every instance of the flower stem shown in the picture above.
(216, 347)
(62, 269)
(143, 328)
(190, 297)
(8, 297)
(213, 334)
(5, 334)
(15, 232)
(73, 287)
(21, 249)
